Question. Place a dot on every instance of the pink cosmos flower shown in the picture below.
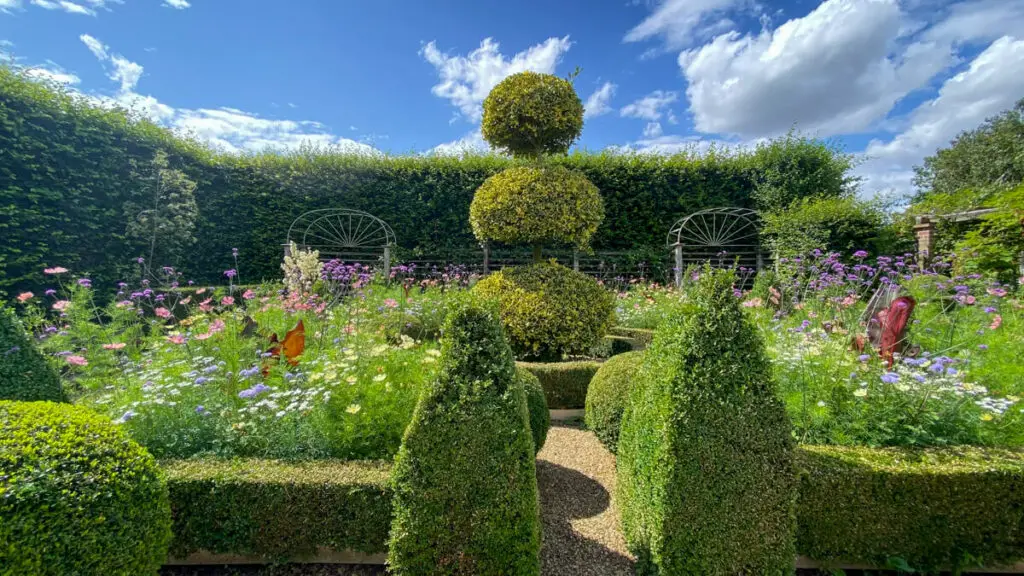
(202, 336)
(61, 305)
(201, 291)
(176, 339)
(205, 305)
(753, 303)
(55, 270)
(162, 312)
(216, 326)
(391, 303)
(248, 295)
(997, 321)
(114, 346)
(77, 361)
(186, 300)
(25, 297)
(227, 301)
(1000, 292)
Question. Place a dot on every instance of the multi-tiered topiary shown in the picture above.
(706, 478)
(25, 374)
(548, 309)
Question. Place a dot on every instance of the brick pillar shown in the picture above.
(924, 230)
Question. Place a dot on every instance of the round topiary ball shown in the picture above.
(25, 375)
(527, 205)
(530, 114)
(608, 395)
(549, 310)
(537, 403)
(77, 496)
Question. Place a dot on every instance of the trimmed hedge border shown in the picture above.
(931, 508)
(278, 510)
(641, 337)
(565, 383)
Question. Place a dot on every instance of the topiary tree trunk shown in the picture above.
(705, 456)
(464, 480)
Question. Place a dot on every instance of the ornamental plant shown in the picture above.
(531, 114)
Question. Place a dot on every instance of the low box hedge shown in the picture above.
(565, 383)
(926, 509)
(278, 510)
(642, 336)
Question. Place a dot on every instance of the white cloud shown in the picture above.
(992, 82)
(95, 46)
(652, 130)
(126, 72)
(675, 144)
(680, 22)
(178, 4)
(472, 143)
(466, 80)
(53, 75)
(598, 102)
(978, 20)
(830, 71)
(7, 5)
(65, 5)
(650, 107)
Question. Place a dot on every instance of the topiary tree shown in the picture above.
(706, 477)
(549, 310)
(608, 394)
(77, 496)
(530, 114)
(25, 374)
(537, 206)
(464, 480)
(537, 405)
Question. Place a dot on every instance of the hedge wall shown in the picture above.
(278, 510)
(66, 173)
(922, 509)
(565, 383)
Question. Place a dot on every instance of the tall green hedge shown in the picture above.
(705, 454)
(66, 173)
(25, 375)
(464, 481)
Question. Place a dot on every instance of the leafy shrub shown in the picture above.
(464, 479)
(642, 336)
(531, 114)
(549, 310)
(925, 509)
(613, 346)
(608, 394)
(792, 168)
(77, 496)
(278, 510)
(564, 383)
(528, 205)
(540, 416)
(705, 463)
(828, 224)
(24, 373)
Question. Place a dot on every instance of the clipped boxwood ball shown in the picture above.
(529, 114)
(549, 310)
(77, 496)
(537, 403)
(608, 395)
(25, 374)
(527, 205)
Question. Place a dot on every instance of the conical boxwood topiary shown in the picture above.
(705, 456)
(25, 375)
(464, 481)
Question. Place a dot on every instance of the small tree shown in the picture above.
(530, 114)
(161, 215)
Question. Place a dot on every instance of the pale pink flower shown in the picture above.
(202, 336)
(391, 303)
(849, 301)
(753, 303)
(61, 305)
(997, 321)
(216, 326)
(124, 304)
(176, 339)
(77, 361)
(114, 346)
(201, 291)
(162, 312)
(1000, 292)
(186, 300)
(25, 297)
(248, 295)
(55, 270)
(205, 305)
(227, 301)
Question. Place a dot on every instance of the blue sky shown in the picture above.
(891, 80)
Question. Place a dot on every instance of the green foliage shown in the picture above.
(564, 383)
(840, 225)
(613, 346)
(66, 175)
(705, 464)
(77, 496)
(537, 404)
(990, 156)
(642, 336)
(525, 205)
(549, 310)
(161, 212)
(608, 395)
(278, 510)
(25, 374)
(996, 243)
(793, 168)
(930, 509)
(530, 114)
(449, 517)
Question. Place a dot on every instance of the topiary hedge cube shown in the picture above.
(706, 478)
(25, 375)
(464, 481)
